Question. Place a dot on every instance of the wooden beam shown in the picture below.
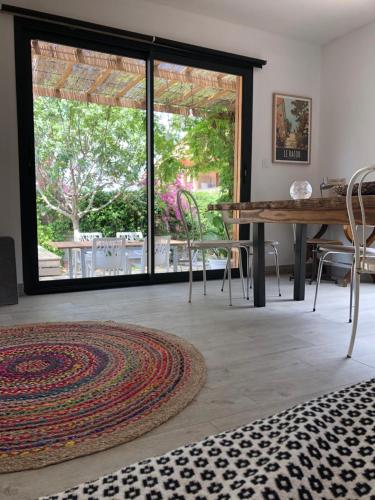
(101, 78)
(213, 97)
(129, 86)
(64, 76)
(184, 96)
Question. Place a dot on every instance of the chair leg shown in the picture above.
(224, 278)
(357, 283)
(276, 253)
(229, 277)
(190, 275)
(251, 271)
(318, 278)
(204, 273)
(241, 272)
(248, 271)
(351, 292)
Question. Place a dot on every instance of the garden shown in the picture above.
(91, 168)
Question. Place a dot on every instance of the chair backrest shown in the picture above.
(108, 254)
(191, 219)
(162, 247)
(89, 236)
(358, 223)
(130, 235)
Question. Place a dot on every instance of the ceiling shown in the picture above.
(316, 21)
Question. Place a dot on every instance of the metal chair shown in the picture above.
(270, 244)
(191, 219)
(333, 250)
(364, 257)
(108, 256)
(161, 252)
(132, 254)
(88, 252)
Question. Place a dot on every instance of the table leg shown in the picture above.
(175, 258)
(300, 262)
(259, 265)
(83, 263)
(70, 263)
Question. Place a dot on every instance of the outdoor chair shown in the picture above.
(191, 219)
(108, 256)
(161, 253)
(132, 253)
(88, 252)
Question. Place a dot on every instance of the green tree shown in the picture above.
(85, 149)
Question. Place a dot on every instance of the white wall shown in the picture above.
(292, 67)
(347, 128)
(347, 132)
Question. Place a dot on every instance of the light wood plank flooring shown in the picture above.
(259, 361)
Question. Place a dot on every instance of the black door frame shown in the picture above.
(27, 29)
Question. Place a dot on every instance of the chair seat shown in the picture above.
(348, 249)
(221, 243)
(228, 243)
(322, 241)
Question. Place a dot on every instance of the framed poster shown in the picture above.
(291, 123)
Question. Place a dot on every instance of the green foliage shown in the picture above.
(211, 148)
(212, 222)
(127, 213)
(83, 149)
(90, 163)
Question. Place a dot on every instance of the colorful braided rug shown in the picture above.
(72, 389)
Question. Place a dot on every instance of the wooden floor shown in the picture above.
(259, 361)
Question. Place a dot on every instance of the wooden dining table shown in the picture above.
(301, 213)
(84, 246)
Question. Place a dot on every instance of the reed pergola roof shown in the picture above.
(69, 73)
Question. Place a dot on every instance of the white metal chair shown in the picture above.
(271, 247)
(87, 252)
(132, 254)
(327, 252)
(191, 219)
(162, 248)
(161, 252)
(108, 256)
(364, 257)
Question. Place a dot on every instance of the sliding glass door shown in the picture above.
(108, 133)
(197, 148)
(90, 162)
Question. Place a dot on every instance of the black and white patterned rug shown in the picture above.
(322, 449)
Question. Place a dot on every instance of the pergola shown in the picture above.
(93, 77)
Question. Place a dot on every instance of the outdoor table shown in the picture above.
(83, 246)
(301, 213)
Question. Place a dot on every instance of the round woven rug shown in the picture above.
(72, 389)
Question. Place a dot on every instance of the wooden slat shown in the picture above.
(101, 79)
(129, 86)
(64, 76)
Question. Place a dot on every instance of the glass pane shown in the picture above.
(197, 148)
(90, 160)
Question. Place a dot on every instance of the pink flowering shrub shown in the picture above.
(168, 219)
